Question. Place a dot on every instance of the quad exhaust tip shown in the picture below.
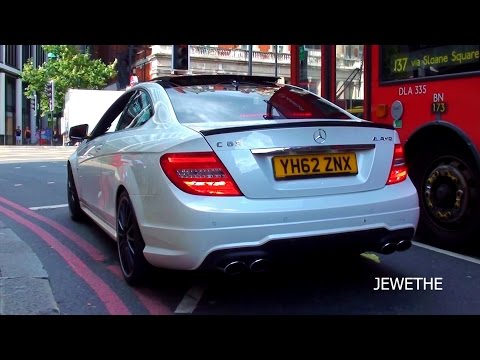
(388, 248)
(238, 267)
(403, 245)
(260, 265)
(391, 247)
(235, 268)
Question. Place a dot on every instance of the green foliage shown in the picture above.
(70, 70)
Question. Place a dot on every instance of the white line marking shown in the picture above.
(18, 167)
(43, 165)
(446, 252)
(190, 300)
(9, 158)
(50, 182)
(18, 185)
(48, 207)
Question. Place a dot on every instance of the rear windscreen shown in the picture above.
(242, 102)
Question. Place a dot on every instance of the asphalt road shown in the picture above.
(85, 279)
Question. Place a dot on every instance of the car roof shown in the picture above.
(193, 80)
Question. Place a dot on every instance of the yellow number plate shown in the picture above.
(312, 165)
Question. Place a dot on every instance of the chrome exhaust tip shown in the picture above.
(235, 268)
(260, 265)
(388, 248)
(403, 245)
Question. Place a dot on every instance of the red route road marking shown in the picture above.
(146, 296)
(92, 251)
(112, 301)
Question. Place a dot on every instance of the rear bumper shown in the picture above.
(186, 232)
(289, 250)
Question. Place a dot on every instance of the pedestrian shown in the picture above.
(133, 78)
(28, 136)
(55, 137)
(18, 135)
(64, 137)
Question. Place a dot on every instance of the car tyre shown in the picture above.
(447, 181)
(130, 243)
(76, 213)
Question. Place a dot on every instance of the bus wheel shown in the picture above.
(448, 189)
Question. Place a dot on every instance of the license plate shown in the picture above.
(313, 165)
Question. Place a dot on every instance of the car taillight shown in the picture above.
(398, 171)
(200, 173)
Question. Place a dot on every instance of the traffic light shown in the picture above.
(180, 57)
(50, 90)
(33, 104)
(303, 55)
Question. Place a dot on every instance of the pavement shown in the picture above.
(24, 283)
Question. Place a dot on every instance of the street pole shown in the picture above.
(51, 56)
(51, 128)
(35, 114)
(276, 60)
(250, 59)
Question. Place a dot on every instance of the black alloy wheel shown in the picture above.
(130, 243)
(76, 213)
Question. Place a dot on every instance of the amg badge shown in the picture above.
(382, 138)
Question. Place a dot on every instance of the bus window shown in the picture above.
(357, 111)
(349, 82)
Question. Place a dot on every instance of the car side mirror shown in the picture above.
(78, 132)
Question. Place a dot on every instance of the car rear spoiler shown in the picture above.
(192, 80)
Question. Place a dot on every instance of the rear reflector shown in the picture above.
(398, 171)
(200, 173)
(381, 110)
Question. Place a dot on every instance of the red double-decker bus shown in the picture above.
(431, 95)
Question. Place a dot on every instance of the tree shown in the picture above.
(69, 69)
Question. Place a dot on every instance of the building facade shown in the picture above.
(151, 61)
(15, 107)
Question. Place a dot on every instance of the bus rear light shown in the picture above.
(381, 110)
(199, 173)
(398, 170)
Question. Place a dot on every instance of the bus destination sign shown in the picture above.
(449, 55)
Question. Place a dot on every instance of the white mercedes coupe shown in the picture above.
(237, 173)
